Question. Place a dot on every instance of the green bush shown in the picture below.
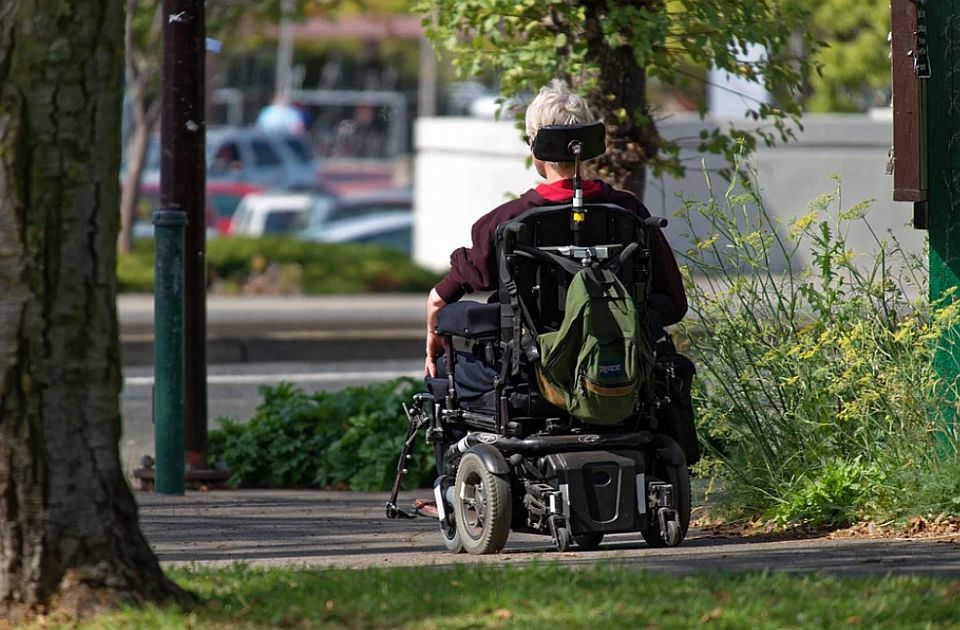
(313, 268)
(818, 394)
(135, 270)
(349, 439)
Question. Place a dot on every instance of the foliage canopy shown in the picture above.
(608, 48)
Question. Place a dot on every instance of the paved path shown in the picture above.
(316, 529)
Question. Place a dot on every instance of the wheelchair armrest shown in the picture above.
(469, 319)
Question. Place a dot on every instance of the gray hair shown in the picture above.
(556, 104)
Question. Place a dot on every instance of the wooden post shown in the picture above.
(909, 109)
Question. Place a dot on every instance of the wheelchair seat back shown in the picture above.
(539, 286)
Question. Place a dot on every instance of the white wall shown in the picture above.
(465, 167)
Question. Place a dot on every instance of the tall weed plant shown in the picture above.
(818, 398)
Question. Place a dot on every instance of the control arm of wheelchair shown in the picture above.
(655, 222)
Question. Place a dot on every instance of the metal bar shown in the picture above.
(168, 403)
(182, 176)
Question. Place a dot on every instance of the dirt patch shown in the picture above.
(942, 529)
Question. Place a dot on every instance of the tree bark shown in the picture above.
(69, 533)
(622, 86)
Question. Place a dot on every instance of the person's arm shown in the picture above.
(666, 274)
(435, 344)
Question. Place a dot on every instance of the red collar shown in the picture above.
(563, 190)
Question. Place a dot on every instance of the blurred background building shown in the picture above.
(377, 134)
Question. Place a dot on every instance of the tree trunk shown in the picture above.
(69, 534)
(632, 140)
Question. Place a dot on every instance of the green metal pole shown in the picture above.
(168, 401)
(943, 177)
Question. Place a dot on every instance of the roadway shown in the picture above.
(232, 391)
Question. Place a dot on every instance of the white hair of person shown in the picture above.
(556, 104)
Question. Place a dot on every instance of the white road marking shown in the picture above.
(257, 379)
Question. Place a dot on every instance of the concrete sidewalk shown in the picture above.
(289, 328)
(348, 529)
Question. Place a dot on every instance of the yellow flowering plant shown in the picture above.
(818, 399)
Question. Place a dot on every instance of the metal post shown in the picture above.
(942, 29)
(168, 350)
(427, 83)
(283, 82)
(182, 188)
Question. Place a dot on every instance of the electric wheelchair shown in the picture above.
(507, 458)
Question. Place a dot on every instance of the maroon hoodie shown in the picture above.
(475, 268)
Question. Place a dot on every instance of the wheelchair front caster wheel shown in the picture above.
(562, 538)
(677, 517)
(482, 507)
(451, 538)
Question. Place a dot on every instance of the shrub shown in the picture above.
(312, 268)
(819, 396)
(346, 440)
(135, 270)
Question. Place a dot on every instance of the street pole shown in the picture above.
(168, 403)
(942, 30)
(182, 189)
(283, 81)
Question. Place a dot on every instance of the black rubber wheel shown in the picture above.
(679, 478)
(588, 541)
(562, 539)
(483, 507)
(451, 537)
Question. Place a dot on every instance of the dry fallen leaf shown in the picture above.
(710, 616)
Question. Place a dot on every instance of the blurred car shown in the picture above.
(323, 217)
(225, 197)
(149, 201)
(267, 159)
(222, 201)
(392, 230)
(277, 212)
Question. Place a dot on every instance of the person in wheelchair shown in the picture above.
(560, 407)
(474, 268)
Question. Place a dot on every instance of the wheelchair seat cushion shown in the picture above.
(469, 319)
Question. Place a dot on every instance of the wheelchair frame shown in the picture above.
(525, 465)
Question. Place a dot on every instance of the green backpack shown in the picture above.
(595, 363)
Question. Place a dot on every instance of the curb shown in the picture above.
(311, 346)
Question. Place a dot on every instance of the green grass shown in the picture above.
(546, 596)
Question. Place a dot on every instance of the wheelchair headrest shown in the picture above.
(552, 143)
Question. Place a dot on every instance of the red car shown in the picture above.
(225, 197)
(222, 201)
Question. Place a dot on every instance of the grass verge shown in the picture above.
(275, 265)
(542, 596)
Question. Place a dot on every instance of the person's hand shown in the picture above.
(435, 348)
